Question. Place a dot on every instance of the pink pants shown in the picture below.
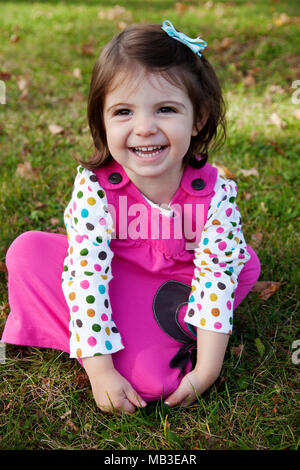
(39, 313)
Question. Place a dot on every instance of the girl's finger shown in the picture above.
(135, 398)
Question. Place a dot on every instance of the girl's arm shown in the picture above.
(86, 276)
(219, 258)
(87, 270)
(211, 349)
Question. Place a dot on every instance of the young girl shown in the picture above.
(155, 260)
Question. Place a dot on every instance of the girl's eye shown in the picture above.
(122, 112)
(167, 109)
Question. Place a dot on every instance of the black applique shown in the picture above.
(167, 302)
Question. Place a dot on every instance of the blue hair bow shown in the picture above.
(196, 45)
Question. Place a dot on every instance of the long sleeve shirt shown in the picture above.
(219, 258)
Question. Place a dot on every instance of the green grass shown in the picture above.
(45, 401)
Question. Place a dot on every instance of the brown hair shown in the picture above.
(150, 47)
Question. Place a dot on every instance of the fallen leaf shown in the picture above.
(237, 350)
(296, 113)
(71, 426)
(25, 170)
(265, 289)
(247, 196)
(224, 171)
(251, 172)
(249, 80)
(226, 43)
(256, 239)
(180, 8)
(276, 147)
(54, 221)
(281, 20)
(3, 267)
(5, 76)
(55, 129)
(22, 83)
(121, 25)
(14, 38)
(263, 207)
(77, 73)
(87, 49)
(276, 89)
(276, 120)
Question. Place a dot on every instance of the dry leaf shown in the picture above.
(25, 170)
(256, 238)
(265, 288)
(247, 196)
(55, 129)
(226, 43)
(121, 25)
(224, 171)
(71, 426)
(4, 76)
(276, 89)
(180, 8)
(237, 350)
(282, 19)
(54, 221)
(14, 38)
(296, 113)
(249, 80)
(276, 120)
(251, 172)
(87, 49)
(22, 83)
(3, 267)
(77, 73)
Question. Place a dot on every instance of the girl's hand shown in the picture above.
(211, 348)
(111, 391)
(191, 386)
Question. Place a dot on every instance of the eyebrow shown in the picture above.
(160, 103)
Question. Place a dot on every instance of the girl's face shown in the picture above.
(149, 123)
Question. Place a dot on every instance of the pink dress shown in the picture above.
(134, 285)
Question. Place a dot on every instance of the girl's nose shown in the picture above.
(145, 126)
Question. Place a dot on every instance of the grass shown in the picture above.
(45, 399)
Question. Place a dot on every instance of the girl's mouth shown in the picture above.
(148, 151)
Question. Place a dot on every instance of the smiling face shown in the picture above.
(149, 123)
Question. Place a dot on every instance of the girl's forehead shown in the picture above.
(128, 82)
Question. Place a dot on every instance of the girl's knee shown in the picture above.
(21, 247)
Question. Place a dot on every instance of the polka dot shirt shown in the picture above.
(219, 258)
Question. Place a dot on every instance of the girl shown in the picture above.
(155, 260)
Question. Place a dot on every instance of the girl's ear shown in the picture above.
(200, 123)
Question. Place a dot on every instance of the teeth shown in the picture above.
(154, 149)
(145, 149)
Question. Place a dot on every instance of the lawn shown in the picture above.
(47, 53)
